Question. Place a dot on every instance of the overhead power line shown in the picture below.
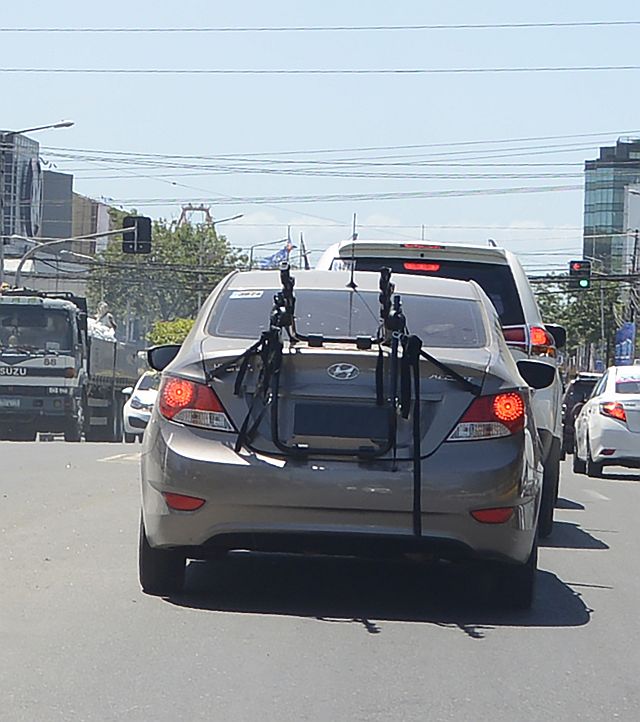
(314, 151)
(319, 71)
(332, 28)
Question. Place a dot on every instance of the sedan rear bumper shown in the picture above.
(266, 504)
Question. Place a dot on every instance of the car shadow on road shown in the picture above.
(569, 504)
(370, 593)
(572, 536)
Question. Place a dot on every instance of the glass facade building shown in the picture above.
(21, 186)
(607, 179)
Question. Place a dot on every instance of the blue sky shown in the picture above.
(236, 115)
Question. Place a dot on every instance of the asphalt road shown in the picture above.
(257, 638)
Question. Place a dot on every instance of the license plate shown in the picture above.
(9, 403)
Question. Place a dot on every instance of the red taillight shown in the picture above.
(176, 394)
(515, 334)
(426, 267)
(491, 417)
(508, 407)
(542, 343)
(192, 403)
(182, 502)
(614, 410)
(539, 337)
(493, 516)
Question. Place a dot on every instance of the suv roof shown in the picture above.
(509, 289)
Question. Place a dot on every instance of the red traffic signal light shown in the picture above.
(579, 275)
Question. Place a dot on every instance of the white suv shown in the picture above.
(503, 279)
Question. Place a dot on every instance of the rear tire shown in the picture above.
(579, 466)
(592, 469)
(514, 584)
(161, 571)
(74, 427)
(550, 481)
(129, 438)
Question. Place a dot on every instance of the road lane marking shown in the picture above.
(596, 495)
(121, 457)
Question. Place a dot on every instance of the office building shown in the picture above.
(21, 188)
(609, 182)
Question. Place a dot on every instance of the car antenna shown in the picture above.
(354, 237)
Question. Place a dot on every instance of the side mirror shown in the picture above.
(128, 391)
(537, 374)
(559, 334)
(159, 357)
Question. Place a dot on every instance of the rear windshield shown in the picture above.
(495, 280)
(149, 382)
(628, 384)
(439, 322)
(579, 391)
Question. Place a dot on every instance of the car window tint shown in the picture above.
(495, 280)
(439, 322)
(628, 381)
(148, 382)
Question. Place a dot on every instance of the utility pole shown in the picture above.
(354, 233)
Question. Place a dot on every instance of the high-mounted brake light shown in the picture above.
(193, 404)
(491, 417)
(416, 266)
(613, 409)
(423, 245)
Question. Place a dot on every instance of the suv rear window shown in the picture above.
(495, 280)
(439, 322)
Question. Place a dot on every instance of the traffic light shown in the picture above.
(579, 275)
(138, 238)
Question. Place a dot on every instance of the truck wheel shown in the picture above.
(161, 571)
(550, 482)
(74, 427)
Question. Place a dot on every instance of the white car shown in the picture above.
(499, 273)
(608, 425)
(137, 410)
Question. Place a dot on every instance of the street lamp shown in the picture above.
(5, 136)
(214, 223)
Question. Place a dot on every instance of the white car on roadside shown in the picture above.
(607, 429)
(137, 409)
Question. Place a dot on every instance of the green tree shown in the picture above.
(184, 266)
(585, 314)
(170, 331)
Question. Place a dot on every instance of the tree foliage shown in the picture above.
(170, 331)
(185, 264)
(588, 315)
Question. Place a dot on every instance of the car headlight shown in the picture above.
(137, 404)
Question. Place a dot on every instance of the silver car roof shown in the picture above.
(365, 281)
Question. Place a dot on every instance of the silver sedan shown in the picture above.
(347, 414)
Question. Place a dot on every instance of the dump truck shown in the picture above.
(60, 372)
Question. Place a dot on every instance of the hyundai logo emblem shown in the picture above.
(343, 372)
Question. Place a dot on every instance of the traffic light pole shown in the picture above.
(32, 251)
